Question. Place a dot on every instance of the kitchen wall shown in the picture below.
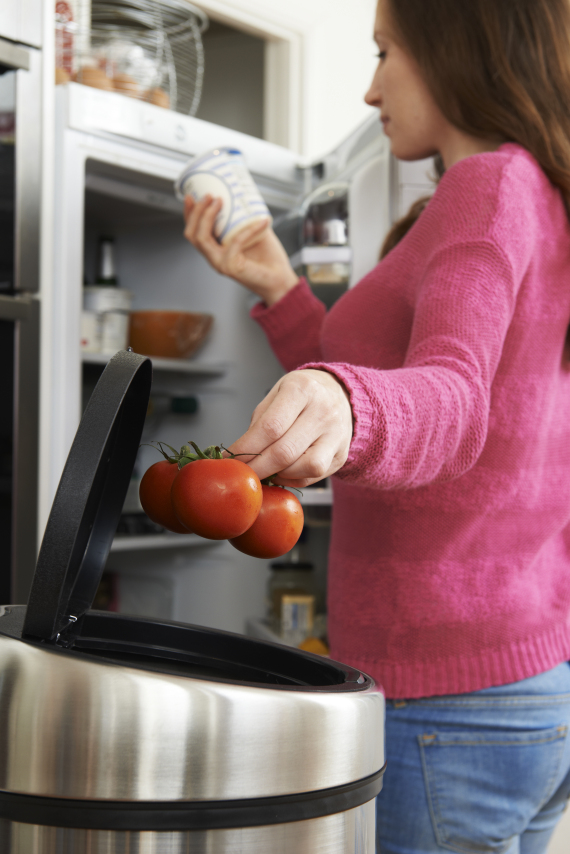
(340, 58)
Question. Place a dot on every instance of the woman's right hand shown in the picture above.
(263, 268)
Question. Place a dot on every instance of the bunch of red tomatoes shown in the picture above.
(220, 498)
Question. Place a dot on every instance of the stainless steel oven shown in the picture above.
(20, 188)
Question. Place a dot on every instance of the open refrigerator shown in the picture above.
(116, 161)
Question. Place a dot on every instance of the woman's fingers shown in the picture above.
(301, 430)
(193, 210)
(199, 229)
(204, 232)
(263, 431)
(320, 460)
(189, 204)
(310, 461)
(201, 220)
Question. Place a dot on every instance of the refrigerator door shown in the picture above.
(20, 159)
(360, 168)
(19, 395)
(22, 21)
(20, 173)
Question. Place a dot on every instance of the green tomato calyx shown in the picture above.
(191, 452)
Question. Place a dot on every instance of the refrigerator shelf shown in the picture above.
(315, 496)
(178, 366)
(261, 630)
(127, 543)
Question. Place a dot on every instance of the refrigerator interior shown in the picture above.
(191, 580)
(114, 186)
(117, 160)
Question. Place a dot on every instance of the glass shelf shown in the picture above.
(128, 543)
(177, 366)
(315, 496)
(261, 630)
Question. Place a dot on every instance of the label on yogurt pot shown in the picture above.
(223, 174)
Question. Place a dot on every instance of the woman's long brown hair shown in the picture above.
(497, 69)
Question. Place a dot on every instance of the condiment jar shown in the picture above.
(287, 579)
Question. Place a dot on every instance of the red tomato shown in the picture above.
(217, 499)
(154, 492)
(276, 529)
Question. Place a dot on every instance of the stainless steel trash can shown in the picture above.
(123, 735)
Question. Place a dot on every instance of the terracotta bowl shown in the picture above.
(168, 334)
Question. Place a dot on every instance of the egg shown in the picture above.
(90, 76)
(158, 97)
(127, 85)
(61, 76)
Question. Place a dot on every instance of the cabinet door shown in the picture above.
(21, 21)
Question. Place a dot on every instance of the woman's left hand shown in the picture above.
(301, 430)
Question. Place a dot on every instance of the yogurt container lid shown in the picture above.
(198, 161)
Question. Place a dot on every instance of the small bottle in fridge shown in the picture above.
(107, 274)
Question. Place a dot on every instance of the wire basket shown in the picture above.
(147, 49)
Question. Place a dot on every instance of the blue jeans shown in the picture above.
(480, 773)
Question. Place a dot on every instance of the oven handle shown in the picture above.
(12, 56)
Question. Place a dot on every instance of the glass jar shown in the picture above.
(287, 579)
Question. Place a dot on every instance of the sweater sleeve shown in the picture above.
(293, 326)
(427, 421)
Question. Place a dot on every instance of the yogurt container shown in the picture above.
(223, 174)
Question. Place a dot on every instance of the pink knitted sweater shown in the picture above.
(449, 565)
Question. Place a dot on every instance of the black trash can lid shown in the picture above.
(89, 498)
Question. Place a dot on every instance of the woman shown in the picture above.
(438, 393)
